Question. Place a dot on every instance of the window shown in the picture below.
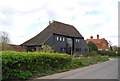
(80, 49)
(77, 40)
(103, 45)
(57, 38)
(60, 38)
(63, 39)
(77, 49)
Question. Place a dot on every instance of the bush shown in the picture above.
(92, 53)
(45, 48)
(85, 61)
(109, 53)
(21, 65)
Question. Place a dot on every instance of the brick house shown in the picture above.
(63, 37)
(102, 44)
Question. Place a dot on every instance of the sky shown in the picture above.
(23, 19)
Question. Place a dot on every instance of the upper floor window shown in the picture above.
(63, 39)
(103, 45)
(57, 38)
(60, 38)
(77, 40)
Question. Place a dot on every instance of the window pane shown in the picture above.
(63, 39)
(60, 39)
(78, 40)
(57, 38)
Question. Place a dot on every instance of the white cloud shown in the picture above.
(24, 19)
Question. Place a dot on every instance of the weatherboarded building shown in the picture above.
(63, 37)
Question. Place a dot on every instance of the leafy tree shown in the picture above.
(45, 48)
(118, 51)
(92, 46)
(4, 37)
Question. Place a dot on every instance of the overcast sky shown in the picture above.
(23, 19)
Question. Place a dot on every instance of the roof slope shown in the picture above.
(99, 43)
(96, 40)
(56, 28)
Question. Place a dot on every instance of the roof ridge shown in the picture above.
(62, 23)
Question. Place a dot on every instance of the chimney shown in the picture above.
(91, 37)
(49, 22)
(97, 36)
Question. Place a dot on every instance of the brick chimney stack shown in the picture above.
(97, 36)
(91, 37)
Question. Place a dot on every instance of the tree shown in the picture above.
(114, 48)
(110, 45)
(4, 37)
(92, 46)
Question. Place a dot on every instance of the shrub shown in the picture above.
(21, 65)
(92, 53)
(92, 46)
(45, 48)
(85, 61)
(109, 53)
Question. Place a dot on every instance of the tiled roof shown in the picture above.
(94, 40)
(99, 43)
(56, 28)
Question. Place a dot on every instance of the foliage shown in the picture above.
(92, 53)
(92, 46)
(115, 48)
(24, 75)
(4, 37)
(85, 61)
(11, 47)
(111, 48)
(20, 65)
(109, 53)
(45, 48)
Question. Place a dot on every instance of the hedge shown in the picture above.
(85, 61)
(21, 65)
(109, 53)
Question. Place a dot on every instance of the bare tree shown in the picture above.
(4, 37)
(110, 45)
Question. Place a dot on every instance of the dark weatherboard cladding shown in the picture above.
(63, 37)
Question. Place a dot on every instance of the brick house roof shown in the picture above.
(54, 27)
(101, 44)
